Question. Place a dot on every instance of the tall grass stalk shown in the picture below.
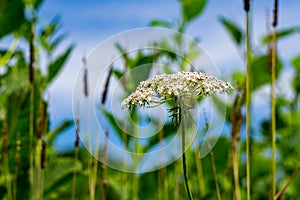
(31, 109)
(247, 9)
(124, 135)
(177, 171)
(200, 173)
(92, 182)
(77, 140)
(124, 174)
(95, 166)
(273, 117)
(103, 167)
(162, 173)
(236, 123)
(212, 160)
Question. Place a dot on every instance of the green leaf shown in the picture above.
(192, 9)
(35, 3)
(148, 185)
(296, 63)
(160, 23)
(16, 77)
(239, 79)
(47, 33)
(141, 68)
(260, 71)
(234, 31)
(58, 172)
(62, 127)
(117, 73)
(114, 123)
(11, 16)
(281, 34)
(296, 79)
(57, 64)
(38, 3)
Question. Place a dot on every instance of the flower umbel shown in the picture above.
(161, 88)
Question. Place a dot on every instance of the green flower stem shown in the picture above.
(181, 118)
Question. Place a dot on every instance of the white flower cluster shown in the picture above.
(166, 86)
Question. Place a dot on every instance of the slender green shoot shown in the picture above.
(273, 117)
(212, 160)
(200, 173)
(247, 8)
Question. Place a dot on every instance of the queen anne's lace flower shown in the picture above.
(181, 84)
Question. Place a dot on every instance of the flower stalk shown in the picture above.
(181, 115)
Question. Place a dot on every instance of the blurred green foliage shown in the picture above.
(166, 183)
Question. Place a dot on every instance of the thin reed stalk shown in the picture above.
(124, 174)
(273, 117)
(92, 179)
(236, 123)
(76, 145)
(212, 160)
(95, 166)
(160, 185)
(31, 109)
(165, 183)
(200, 173)
(247, 9)
(162, 173)
(124, 135)
(176, 189)
(103, 167)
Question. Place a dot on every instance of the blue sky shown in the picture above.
(89, 22)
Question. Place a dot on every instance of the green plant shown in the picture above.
(177, 88)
